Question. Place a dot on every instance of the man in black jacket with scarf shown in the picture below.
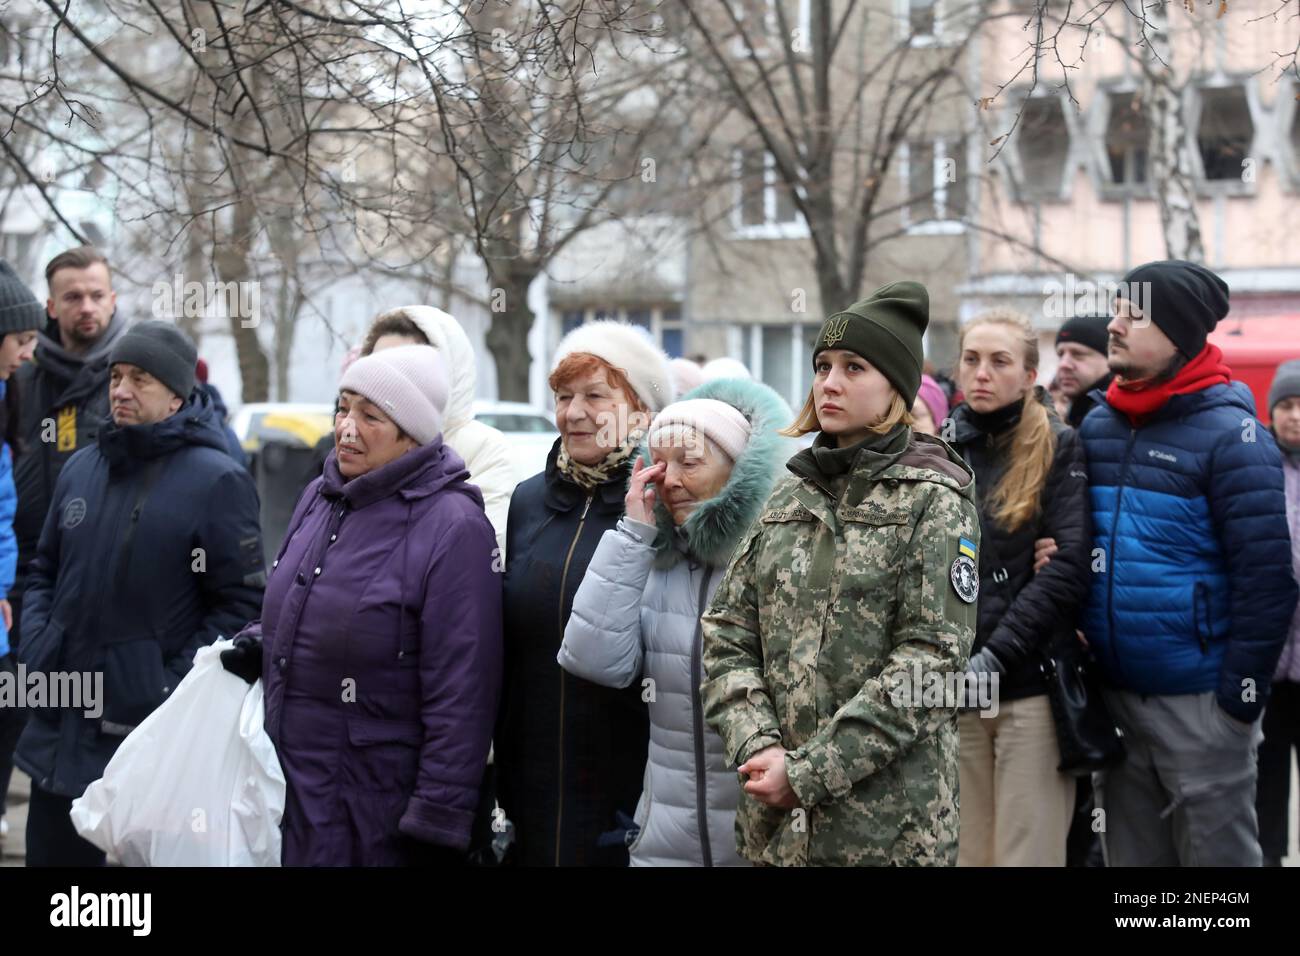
(63, 391)
(151, 550)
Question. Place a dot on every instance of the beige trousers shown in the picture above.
(1015, 807)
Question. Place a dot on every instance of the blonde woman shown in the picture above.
(1030, 472)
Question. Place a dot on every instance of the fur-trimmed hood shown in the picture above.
(716, 526)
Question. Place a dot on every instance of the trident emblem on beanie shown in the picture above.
(834, 331)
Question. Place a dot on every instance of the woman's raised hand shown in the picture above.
(640, 501)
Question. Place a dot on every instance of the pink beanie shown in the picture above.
(721, 423)
(931, 392)
(409, 383)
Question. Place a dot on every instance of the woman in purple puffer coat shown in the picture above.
(380, 635)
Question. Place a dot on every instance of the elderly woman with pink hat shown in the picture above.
(379, 643)
(707, 467)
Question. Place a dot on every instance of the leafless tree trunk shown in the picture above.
(1170, 144)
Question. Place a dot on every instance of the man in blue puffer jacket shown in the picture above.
(1193, 590)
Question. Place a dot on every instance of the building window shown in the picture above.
(777, 369)
(780, 355)
(16, 248)
(664, 324)
(672, 333)
(760, 28)
(921, 18)
(1126, 140)
(1224, 133)
(1042, 146)
(570, 319)
(932, 22)
(934, 174)
(765, 206)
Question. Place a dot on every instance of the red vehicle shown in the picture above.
(1254, 348)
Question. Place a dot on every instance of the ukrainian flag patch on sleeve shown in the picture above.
(967, 547)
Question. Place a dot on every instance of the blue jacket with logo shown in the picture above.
(1192, 588)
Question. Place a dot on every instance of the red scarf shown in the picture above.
(1138, 400)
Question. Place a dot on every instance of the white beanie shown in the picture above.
(409, 383)
(629, 349)
(726, 368)
(721, 423)
(687, 375)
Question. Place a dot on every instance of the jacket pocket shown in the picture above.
(641, 817)
(383, 755)
(1222, 720)
(1201, 614)
(134, 681)
(873, 549)
(41, 653)
(408, 640)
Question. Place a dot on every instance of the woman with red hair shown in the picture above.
(570, 753)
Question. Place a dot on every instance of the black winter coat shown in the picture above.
(64, 398)
(1087, 401)
(151, 550)
(570, 754)
(1020, 612)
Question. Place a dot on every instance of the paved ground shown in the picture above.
(14, 848)
(20, 786)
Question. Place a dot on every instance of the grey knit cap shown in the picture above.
(162, 350)
(1286, 383)
(20, 311)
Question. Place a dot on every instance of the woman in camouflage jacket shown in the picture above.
(837, 639)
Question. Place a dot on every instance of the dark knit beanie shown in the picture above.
(885, 328)
(1286, 383)
(1088, 331)
(162, 350)
(1185, 300)
(20, 311)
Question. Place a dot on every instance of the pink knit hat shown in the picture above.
(408, 382)
(723, 424)
(931, 392)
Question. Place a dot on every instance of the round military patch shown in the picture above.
(965, 579)
(74, 512)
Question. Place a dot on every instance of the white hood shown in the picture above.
(445, 334)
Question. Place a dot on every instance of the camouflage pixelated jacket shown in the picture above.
(846, 587)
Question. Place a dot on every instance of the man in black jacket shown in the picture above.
(1081, 363)
(151, 550)
(64, 391)
(1081, 367)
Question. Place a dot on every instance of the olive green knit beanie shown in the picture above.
(885, 328)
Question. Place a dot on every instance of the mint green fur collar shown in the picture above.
(716, 526)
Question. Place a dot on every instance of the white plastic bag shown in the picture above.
(196, 784)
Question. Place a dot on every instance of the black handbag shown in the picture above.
(1086, 733)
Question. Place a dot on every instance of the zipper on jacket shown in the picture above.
(559, 777)
(1110, 561)
(697, 717)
